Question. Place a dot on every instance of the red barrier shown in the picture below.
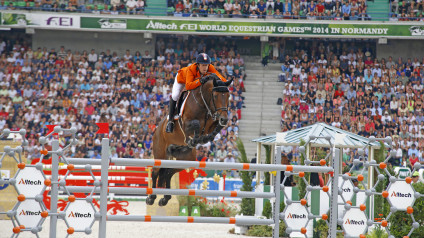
(120, 176)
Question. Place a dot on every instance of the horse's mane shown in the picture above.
(221, 86)
(218, 85)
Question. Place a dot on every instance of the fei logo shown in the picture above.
(60, 21)
(190, 27)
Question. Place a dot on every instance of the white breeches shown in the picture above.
(176, 89)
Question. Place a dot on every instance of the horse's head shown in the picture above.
(219, 100)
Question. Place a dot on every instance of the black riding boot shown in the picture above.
(170, 124)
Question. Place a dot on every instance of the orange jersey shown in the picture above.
(190, 76)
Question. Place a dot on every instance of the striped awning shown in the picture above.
(342, 138)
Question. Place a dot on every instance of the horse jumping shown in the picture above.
(205, 114)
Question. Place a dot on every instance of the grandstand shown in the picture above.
(377, 10)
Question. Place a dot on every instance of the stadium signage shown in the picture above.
(41, 20)
(80, 214)
(401, 195)
(268, 27)
(354, 222)
(223, 26)
(28, 213)
(296, 216)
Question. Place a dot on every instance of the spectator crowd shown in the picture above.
(346, 86)
(269, 9)
(40, 87)
(406, 10)
(272, 9)
(111, 7)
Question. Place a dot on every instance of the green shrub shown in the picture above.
(378, 232)
(266, 231)
(217, 208)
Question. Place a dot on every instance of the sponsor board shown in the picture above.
(221, 26)
(29, 213)
(104, 23)
(80, 214)
(248, 27)
(347, 190)
(296, 216)
(29, 182)
(401, 195)
(354, 222)
(41, 20)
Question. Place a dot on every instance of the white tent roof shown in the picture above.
(342, 138)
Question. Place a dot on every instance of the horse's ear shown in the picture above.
(214, 82)
(228, 83)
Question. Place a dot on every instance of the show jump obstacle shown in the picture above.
(80, 214)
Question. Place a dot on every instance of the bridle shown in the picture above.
(217, 111)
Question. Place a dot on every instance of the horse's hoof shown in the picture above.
(163, 202)
(150, 201)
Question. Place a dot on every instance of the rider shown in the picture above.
(190, 77)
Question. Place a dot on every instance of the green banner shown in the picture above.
(255, 27)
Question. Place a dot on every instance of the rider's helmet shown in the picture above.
(203, 58)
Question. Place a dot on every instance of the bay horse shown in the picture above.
(205, 114)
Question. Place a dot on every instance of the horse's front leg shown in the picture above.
(193, 127)
(209, 137)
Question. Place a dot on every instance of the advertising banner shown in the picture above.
(257, 27)
(41, 20)
(221, 26)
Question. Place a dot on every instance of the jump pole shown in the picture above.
(104, 186)
(204, 165)
(55, 188)
(175, 192)
(334, 193)
(277, 160)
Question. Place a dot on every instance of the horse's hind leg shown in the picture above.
(152, 197)
(168, 175)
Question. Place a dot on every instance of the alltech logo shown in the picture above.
(355, 222)
(29, 213)
(400, 195)
(346, 190)
(79, 215)
(296, 216)
(29, 182)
